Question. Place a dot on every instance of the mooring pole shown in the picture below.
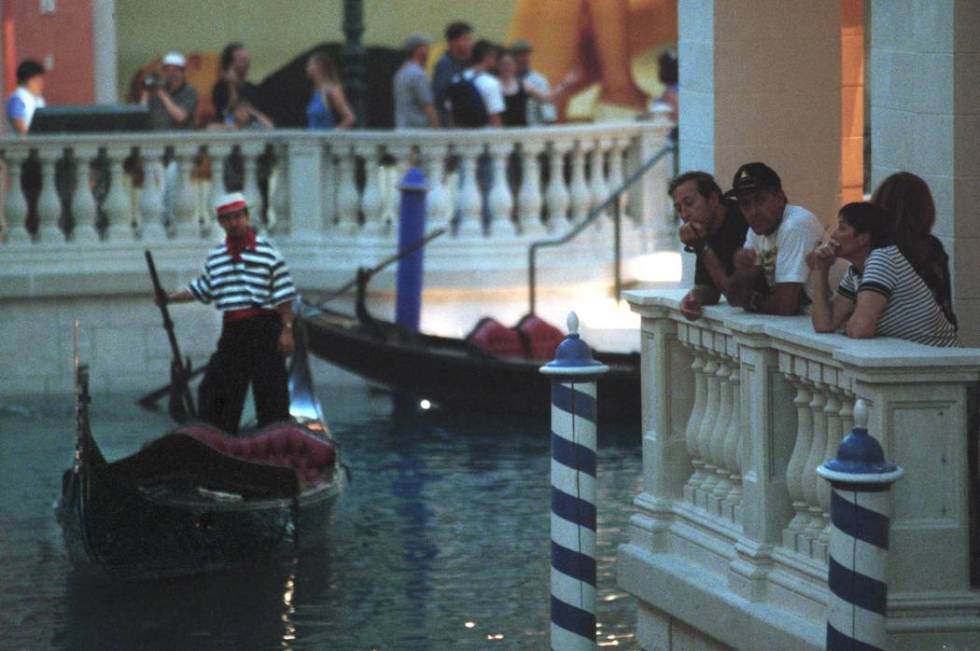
(859, 513)
(411, 231)
(574, 377)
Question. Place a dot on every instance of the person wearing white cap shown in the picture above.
(248, 281)
(171, 100)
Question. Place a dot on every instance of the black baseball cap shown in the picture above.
(754, 176)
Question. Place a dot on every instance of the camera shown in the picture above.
(152, 82)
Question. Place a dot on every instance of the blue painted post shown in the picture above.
(573, 491)
(859, 514)
(411, 229)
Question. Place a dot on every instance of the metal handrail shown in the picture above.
(594, 214)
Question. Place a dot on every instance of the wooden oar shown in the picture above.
(151, 398)
(181, 403)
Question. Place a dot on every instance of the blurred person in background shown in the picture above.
(328, 107)
(26, 98)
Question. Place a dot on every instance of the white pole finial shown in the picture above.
(861, 414)
(572, 323)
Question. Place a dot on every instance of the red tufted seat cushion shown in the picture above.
(287, 445)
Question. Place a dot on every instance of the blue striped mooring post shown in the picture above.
(859, 513)
(573, 375)
(411, 230)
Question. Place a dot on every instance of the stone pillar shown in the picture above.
(761, 81)
(105, 51)
(925, 114)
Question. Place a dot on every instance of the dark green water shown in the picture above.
(441, 542)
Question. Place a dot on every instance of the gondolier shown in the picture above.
(248, 281)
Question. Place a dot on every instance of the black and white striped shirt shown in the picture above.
(911, 312)
(259, 278)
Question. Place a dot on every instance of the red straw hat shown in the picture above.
(229, 203)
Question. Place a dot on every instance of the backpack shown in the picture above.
(466, 103)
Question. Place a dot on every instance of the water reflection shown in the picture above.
(440, 542)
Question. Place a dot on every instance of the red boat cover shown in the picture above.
(491, 336)
(286, 444)
(542, 337)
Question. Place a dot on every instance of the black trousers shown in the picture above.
(247, 353)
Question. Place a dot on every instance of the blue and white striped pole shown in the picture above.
(859, 512)
(573, 491)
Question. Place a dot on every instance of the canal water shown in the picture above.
(441, 541)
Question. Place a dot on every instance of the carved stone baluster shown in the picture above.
(616, 169)
(437, 204)
(556, 195)
(832, 414)
(372, 200)
(694, 426)
(329, 185)
(220, 157)
(711, 408)
(733, 461)
(406, 158)
(500, 198)
(581, 198)
(279, 191)
(117, 205)
(48, 203)
(348, 198)
(814, 459)
(797, 464)
(470, 201)
(250, 186)
(151, 201)
(722, 485)
(529, 199)
(15, 206)
(83, 207)
(186, 223)
(598, 187)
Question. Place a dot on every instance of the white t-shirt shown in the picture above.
(782, 254)
(538, 112)
(490, 91)
(22, 105)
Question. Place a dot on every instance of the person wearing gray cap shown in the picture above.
(170, 99)
(413, 99)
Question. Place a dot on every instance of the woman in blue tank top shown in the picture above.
(328, 101)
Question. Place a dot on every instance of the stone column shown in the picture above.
(925, 108)
(764, 84)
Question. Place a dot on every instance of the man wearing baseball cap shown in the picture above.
(771, 271)
(249, 283)
(412, 94)
(537, 112)
(171, 100)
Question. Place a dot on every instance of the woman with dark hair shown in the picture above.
(328, 101)
(232, 86)
(881, 294)
(908, 199)
(517, 91)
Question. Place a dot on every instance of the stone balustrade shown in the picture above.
(731, 537)
(72, 244)
(154, 186)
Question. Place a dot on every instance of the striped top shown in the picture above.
(911, 312)
(259, 279)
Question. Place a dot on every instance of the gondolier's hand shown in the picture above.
(286, 342)
(163, 297)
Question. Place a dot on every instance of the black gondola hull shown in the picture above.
(450, 373)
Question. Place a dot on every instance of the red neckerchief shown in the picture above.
(235, 247)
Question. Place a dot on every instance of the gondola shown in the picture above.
(196, 499)
(455, 373)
